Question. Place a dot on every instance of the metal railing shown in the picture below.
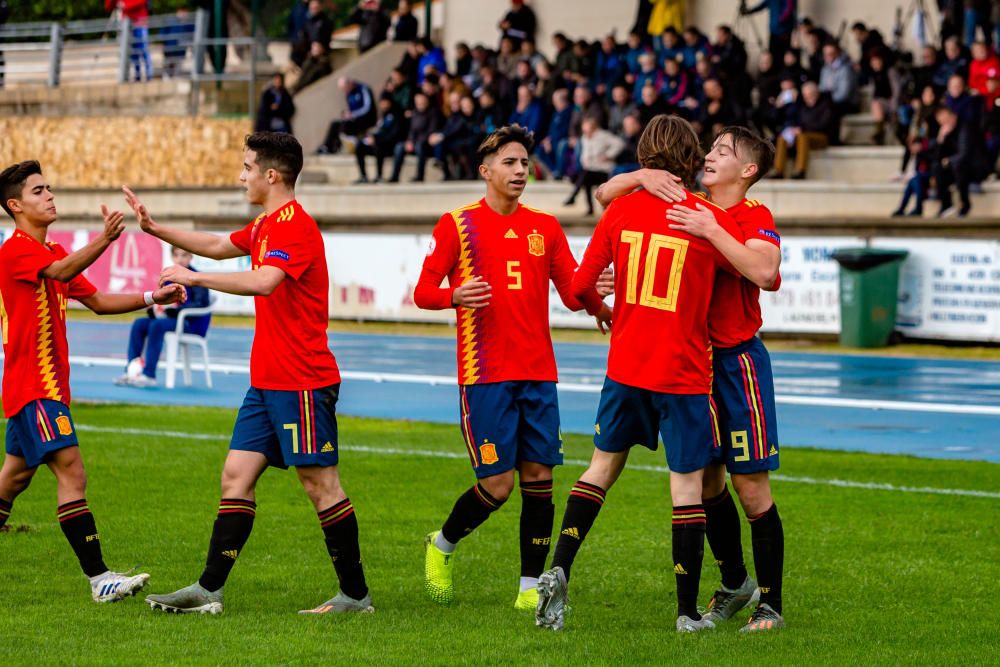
(110, 51)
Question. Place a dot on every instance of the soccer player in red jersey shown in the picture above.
(288, 417)
(36, 280)
(743, 390)
(659, 367)
(499, 257)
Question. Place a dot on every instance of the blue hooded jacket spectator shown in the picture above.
(781, 13)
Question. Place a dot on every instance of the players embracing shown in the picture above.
(499, 257)
(743, 388)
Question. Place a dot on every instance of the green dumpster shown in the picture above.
(869, 281)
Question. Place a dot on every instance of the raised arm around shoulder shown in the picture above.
(657, 182)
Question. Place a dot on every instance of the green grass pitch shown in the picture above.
(871, 576)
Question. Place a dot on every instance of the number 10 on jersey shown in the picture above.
(657, 243)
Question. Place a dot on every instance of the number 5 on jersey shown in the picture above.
(657, 243)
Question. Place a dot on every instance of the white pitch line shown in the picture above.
(595, 388)
(429, 453)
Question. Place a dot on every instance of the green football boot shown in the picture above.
(527, 600)
(437, 571)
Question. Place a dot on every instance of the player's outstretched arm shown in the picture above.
(261, 282)
(75, 263)
(657, 182)
(756, 260)
(198, 243)
(112, 304)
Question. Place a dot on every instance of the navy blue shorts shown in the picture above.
(39, 429)
(290, 428)
(743, 393)
(629, 416)
(505, 423)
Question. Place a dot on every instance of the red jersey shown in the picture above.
(290, 349)
(663, 285)
(734, 316)
(517, 255)
(33, 321)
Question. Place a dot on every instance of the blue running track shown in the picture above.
(921, 407)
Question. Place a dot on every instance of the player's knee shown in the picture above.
(499, 486)
(235, 484)
(754, 492)
(713, 483)
(71, 477)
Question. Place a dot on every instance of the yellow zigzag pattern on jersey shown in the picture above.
(46, 367)
(466, 317)
(285, 214)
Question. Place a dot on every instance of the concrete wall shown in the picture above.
(475, 21)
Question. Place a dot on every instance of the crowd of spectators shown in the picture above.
(587, 101)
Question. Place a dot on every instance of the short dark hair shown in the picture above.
(507, 134)
(279, 151)
(671, 144)
(751, 147)
(12, 180)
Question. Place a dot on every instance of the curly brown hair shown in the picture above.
(671, 144)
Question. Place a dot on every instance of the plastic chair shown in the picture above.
(179, 341)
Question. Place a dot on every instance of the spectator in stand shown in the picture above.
(431, 87)
(519, 23)
(651, 104)
(585, 106)
(318, 28)
(177, 36)
(583, 65)
(406, 27)
(491, 117)
(425, 120)
(565, 60)
(621, 106)
(958, 160)
(695, 47)
(791, 68)
(545, 82)
(922, 127)
(729, 54)
(409, 62)
(968, 108)
(648, 74)
(812, 49)
(218, 26)
(455, 146)
(983, 60)
(148, 332)
(870, 44)
(315, 67)
(524, 75)
(506, 62)
(978, 14)
(918, 184)
(373, 24)
(610, 67)
(674, 87)
(817, 129)
(925, 74)
(360, 115)
(716, 111)
(297, 19)
(669, 47)
(992, 119)
(530, 53)
(429, 56)
(634, 49)
(380, 142)
(839, 80)
(553, 148)
(598, 150)
(400, 89)
(661, 15)
(768, 87)
(885, 81)
(955, 62)
(463, 60)
(528, 111)
(276, 108)
(137, 13)
(627, 160)
(783, 20)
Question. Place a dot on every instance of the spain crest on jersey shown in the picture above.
(64, 425)
(536, 244)
(488, 453)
